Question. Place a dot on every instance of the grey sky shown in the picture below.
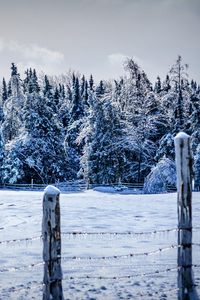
(94, 36)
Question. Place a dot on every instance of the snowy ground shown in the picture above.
(93, 211)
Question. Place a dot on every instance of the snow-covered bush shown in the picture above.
(163, 174)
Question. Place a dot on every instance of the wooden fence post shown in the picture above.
(184, 189)
(52, 281)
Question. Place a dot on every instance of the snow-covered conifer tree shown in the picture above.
(197, 169)
(2, 155)
(13, 107)
(166, 148)
(76, 116)
(104, 154)
(158, 88)
(4, 91)
(195, 122)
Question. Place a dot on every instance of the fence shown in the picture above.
(51, 237)
(81, 186)
(52, 240)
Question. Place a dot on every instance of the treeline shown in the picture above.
(68, 128)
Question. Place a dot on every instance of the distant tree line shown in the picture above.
(67, 127)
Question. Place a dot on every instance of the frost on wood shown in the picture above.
(52, 244)
(183, 164)
(184, 188)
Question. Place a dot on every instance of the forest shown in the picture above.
(66, 128)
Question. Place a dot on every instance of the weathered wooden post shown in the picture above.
(52, 281)
(184, 189)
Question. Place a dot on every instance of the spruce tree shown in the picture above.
(178, 74)
(197, 169)
(91, 83)
(100, 89)
(13, 107)
(2, 155)
(166, 84)
(77, 110)
(157, 87)
(4, 91)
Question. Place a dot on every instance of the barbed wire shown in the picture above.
(14, 268)
(145, 274)
(82, 233)
(103, 233)
(34, 238)
(76, 233)
(121, 256)
(38, 264)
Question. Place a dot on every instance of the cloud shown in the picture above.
(116, 59)
(31, 51)
(32, 55)
(35, 52)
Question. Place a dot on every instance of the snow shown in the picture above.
(51, 190)
(183, 162)
(182, 135)
(120, 189)
(93, 211)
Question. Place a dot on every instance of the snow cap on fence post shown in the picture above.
(52, 244)
(184, 205)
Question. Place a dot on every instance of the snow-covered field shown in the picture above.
(21, 273)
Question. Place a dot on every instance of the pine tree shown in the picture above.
(41, 145)
(12, 170)
(77, 110)
(2, 156)
(178, 73)
(197, 169)
(63, 112)
(25, 81)
(85, 96)
(13, 107)
(82, 85)
(100, 89)
(157, 88)
(36, 87)
(56, 97)
(166, 148)
(103, 154)
(47, 91)
(76, 115)
(2, 117)
(91, 83)
(4, 91)
(13, 70)
(166, 84)
(178, 114)
(195, 123)
(9, 89)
